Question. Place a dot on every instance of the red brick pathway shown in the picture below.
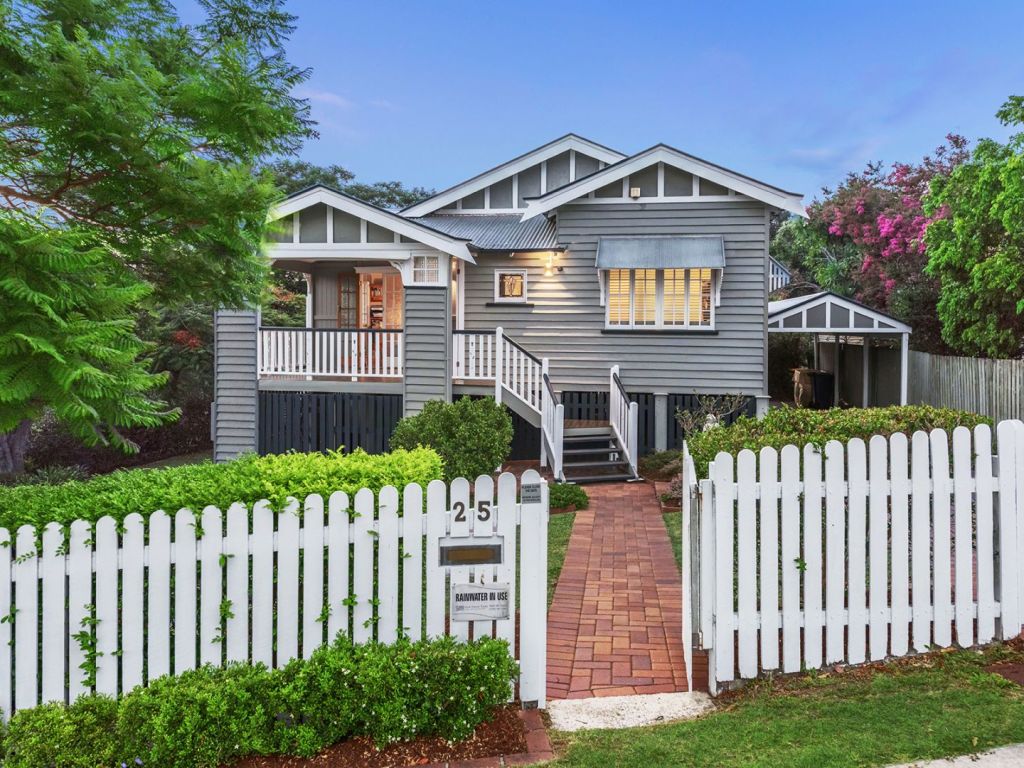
(614, 626)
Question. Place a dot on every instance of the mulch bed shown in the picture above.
(1012, 671)
(504, 735)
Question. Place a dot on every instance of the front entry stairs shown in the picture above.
(592, 453)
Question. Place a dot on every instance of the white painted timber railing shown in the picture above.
(330, 353)
(473, 355)
(622, 417)
(552, 427)
(778, 276)
(517, 371)
(105, 608)
(799, 559)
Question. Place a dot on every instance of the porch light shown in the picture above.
(549, 268)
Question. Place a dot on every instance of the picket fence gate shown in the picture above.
(800, 559)
(105, 610)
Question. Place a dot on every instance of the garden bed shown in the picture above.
(503, 736)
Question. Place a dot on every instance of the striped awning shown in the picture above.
(661, 252)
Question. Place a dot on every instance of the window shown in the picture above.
(426, 269)
(660, 298)
(510, 286)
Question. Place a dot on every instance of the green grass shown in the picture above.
(559, 529)
(674, 523)
(928, 707)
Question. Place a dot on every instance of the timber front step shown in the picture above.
(588, 455)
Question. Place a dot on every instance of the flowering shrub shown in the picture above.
(212, 716)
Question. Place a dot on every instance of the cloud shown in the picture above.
(324, 97)
(384, 104)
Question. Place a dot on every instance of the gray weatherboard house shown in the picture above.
(592, 292)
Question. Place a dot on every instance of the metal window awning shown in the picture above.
(707, 251)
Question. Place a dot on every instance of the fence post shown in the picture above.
(498, 372)
(533, 596)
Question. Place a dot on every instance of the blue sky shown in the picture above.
(795, 94)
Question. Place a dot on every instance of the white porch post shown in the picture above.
(308, 338)
(498, 354)
(309, 301)
(904, 360)
(835, 371)
(864, 372)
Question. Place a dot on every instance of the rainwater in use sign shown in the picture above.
(479, 602)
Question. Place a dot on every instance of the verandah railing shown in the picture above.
(330, 352)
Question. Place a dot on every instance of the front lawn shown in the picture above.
(674, 524)
(926, 707)
(559, 530)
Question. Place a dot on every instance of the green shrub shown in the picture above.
(473, 437)
(799, 426)
(206, 717)
(661, 465)
(212, 716)
(562, 495)
(56, 736)
(247, 479)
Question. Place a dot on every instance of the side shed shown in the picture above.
(842, 327)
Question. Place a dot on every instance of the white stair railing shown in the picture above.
(552, 421)
(517, 371)
(622, 417)
(473, 355)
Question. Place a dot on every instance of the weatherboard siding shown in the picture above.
(427, 343)
(234, 384)
(566, 320)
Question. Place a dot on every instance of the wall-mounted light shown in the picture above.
(549, 268)
(634, 193)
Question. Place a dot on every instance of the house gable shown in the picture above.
(664, 174)
(322, 219)
(507, 187)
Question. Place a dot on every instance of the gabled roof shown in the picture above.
(516, 164)
(758, 190)
(414, 230)
(498, 232)
(827, 312)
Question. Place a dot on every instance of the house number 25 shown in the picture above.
(483, 511)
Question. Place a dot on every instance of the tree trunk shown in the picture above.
(13, 447)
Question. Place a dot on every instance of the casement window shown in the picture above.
(510, 286)
(426, 270)
(668, 299)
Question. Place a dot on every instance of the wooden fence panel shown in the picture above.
(214, 571)
(993, 388)
(891, 551)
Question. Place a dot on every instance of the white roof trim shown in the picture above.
(415, 231)
(521, 163)
(777, 198)
(796, 311)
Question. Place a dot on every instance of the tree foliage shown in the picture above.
(127, 147)
(976, 245)
(290, 176)
(881, 213)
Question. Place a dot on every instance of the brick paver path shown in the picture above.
(614, 626)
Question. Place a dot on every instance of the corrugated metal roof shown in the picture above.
(496, 232)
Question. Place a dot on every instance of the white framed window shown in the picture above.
(426, 269)
(510, 286)
(668, 299)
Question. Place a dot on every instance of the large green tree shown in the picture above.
(127, 147)
(976, 245)
(293, 175)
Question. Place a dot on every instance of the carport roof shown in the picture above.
(828, 312)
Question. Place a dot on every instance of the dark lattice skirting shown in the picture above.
(321, 421)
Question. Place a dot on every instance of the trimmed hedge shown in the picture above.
(212, 716)
(799, 426)
(195, 486)
(473, 437)
(562, 495)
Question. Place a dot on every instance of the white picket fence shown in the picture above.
(799, 559)
(102, 609)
